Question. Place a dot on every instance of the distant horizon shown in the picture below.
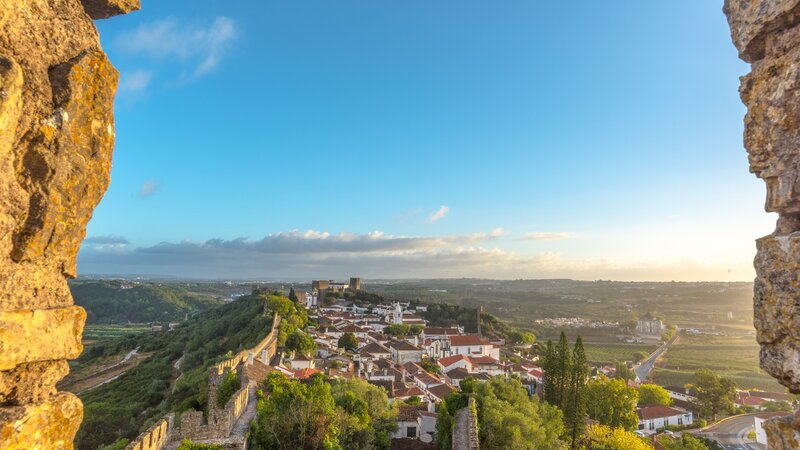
(145, 277)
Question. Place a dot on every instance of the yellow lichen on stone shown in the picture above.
(47, 426)
(40, 335)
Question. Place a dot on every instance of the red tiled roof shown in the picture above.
(482, 360)
(305, 373)
(408, 392)
(408, 413)
(467, 339)
(441, 331)
(426, 378)
(448, 360)
(441, 391)
(771, 396)
(657, 412)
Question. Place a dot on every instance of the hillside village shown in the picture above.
(391, 345)
(420, 359)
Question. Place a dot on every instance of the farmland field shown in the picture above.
(611, 352)
(732, 356)
(97, 332)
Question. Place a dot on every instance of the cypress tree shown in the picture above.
(562, 365)
(575, 404)
(549, 373)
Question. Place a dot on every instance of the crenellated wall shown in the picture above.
(220, 421)
(269, 343)
(155, 437)
(767, 35)
(56, 141)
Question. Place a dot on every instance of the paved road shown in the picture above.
(731, 432)
(643, 369)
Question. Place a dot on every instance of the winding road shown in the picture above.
(730, 433)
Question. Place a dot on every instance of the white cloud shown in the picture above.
(202, 46)
(149, 188)
(136, 80)
(546, 236)
(439, 214)
(308, 254)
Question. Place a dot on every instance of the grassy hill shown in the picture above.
(123, 302)
(174, 377)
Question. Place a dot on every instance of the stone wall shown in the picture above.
(155, 437)
(56, 140)
(465, 430)
(220, 420)
(767, 35)
(269, 343)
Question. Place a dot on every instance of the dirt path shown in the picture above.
(97, 376)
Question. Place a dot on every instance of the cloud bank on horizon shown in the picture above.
(310, 254)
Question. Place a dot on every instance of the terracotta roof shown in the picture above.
(426, 378)
(467, 339)
(771, 396)
(657, 412)
(408, 413)
(448, 360)
(483, 360)
(459, 373)
(441, 331)
(305, 373)
(441, 391)
(411, 367)
(374, 348)
(403, 346)
(408, 392)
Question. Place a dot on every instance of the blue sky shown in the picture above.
(508, 139)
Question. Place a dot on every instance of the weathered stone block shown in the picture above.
(751, 21)
(782, 433)
(103, 9)
(31, 382)
(51, 425)
(40, 335)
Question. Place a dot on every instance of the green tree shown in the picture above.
(230, 384)
(715, 394)
(509, 419)
(777, 406)
(550, 374)
(623, 372)
(397, 329)
(669, 333)
(575, 401)
(521, 337)
(639, 356)
(348, 342)
(562, 364)
(653, 394)
(292, 295)
(366, 419)
(301, 342)
(295, 416)
(603, 437)
(612, 402)
(685, 442)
